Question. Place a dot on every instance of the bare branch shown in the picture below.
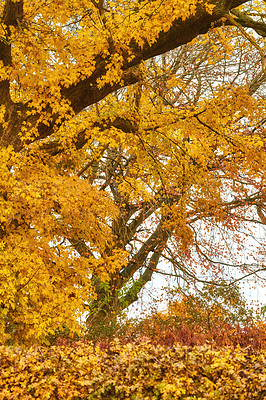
(156, 242)
(132, 295)
(247, 22)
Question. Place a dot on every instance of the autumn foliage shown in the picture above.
(217, 317)
(132, 372)
(169, 333)
(131, 132)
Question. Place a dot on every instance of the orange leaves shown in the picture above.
(184, 235)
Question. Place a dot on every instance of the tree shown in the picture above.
(210, 310)
(110, 162)
(212, 307)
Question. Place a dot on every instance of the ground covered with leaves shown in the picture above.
(132, 371)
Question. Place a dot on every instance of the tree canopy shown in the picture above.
(130, 131)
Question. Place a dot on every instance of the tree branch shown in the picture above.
(248, 22)
(132, 294)
(87, 92)
(122, 123)
(156, 240)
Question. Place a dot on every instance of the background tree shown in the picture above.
(212, 307)
(215, 315)
(99, 182)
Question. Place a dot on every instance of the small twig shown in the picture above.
(90, 163)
